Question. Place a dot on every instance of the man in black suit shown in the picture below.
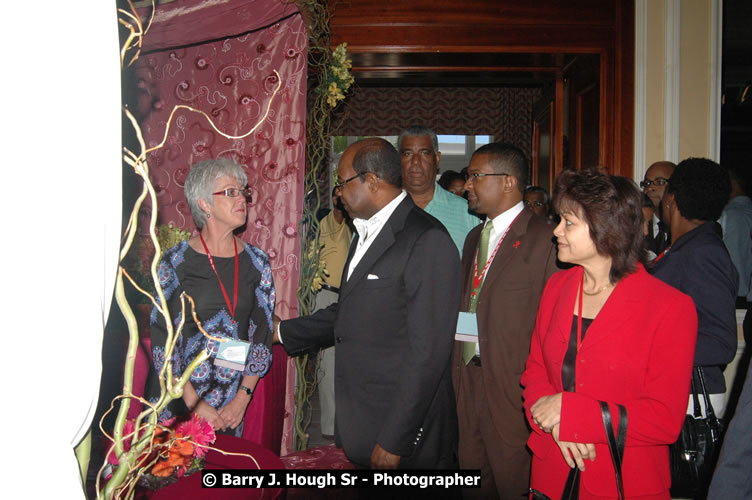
(394, 323)
(654, 185)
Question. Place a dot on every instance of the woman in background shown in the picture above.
(231, 284)
(606, 331)
(698, 264)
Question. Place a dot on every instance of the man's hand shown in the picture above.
(275, 328)
(382, 459)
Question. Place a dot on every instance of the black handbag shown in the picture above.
(694, 454)
(615, 446)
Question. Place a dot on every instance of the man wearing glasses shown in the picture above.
(393, 326)
(536, 199)
(507, 262)
(654, 185)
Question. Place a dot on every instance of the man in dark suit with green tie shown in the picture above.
(507, 262)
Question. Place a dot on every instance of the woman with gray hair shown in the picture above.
(231, 284)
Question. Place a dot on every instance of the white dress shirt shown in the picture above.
(369, 229)
(367, 232)
(500, 225)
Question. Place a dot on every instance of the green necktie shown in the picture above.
(468, 350)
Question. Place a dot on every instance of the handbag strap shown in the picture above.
(697, 410)
(616, 443)
(709, 411)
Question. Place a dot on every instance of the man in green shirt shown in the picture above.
(419, 151)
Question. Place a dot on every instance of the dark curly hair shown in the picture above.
(701, 189)
(448, 177)
(611, 206)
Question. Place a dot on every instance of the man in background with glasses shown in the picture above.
(536, 199)
(654, 185)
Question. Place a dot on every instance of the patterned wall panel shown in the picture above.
(505, 113)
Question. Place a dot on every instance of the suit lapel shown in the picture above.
(467, 263)
(508, 247)
(381, 244)
(619, 309)
(564, 308)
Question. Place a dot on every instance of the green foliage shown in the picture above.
(329, 80)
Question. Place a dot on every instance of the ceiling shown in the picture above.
(409, 69)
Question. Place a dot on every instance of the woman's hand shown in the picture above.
(574, 453)
(234, 411)
(546, 412)
(208, 413)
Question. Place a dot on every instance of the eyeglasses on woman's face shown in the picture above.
(235, 192)
(536, 204)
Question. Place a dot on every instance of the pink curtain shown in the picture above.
(209, 60)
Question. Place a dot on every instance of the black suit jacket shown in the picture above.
(394, 338)
(699, 265)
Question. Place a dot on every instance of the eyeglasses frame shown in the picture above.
(245, 192)
(647, 184)
(341, 184)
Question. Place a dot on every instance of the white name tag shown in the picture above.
(233, 354)
(467, 327)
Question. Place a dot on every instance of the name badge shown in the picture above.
(467, 327)
(233, 354)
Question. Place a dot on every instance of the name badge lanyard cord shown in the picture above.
(478, 279)
(230, 307)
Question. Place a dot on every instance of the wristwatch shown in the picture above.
(247, 390)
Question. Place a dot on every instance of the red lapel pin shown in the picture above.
(516, 243)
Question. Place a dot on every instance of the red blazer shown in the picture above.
(638, 352)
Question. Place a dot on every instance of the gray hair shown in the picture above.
(418, 131)
(200, 184)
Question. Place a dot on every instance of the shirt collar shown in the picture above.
(502, 221)
(364, 227)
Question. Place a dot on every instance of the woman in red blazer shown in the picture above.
(634, 347)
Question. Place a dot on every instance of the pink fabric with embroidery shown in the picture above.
(207, 55)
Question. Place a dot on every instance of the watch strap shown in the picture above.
(245, 389)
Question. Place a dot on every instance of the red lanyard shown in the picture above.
(478, 279)
(662, 255)
(234, 304)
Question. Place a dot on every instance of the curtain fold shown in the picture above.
(188, 22)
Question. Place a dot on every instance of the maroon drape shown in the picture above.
(188, 22)
(230, 77)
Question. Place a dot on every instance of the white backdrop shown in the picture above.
(61, 204)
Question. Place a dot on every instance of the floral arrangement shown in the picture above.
(338, 78)
(176, 450)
